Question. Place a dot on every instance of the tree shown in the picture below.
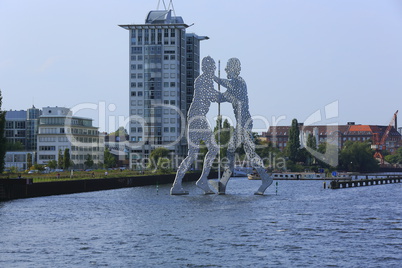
(357, 156)
(60, 159)
(52, 164)
(14, 146)
(66, 159)
(159, 157)
(88, 161)
(293, 145)
(109, 159)
(226, 132)
(121, 131)
(327, 150)
(29, 160)
(268, 153)
(3, 139)
(119, 135)
(38, 167)
(312, 144)
(395, 158)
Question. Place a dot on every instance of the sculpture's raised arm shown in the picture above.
(223, 82)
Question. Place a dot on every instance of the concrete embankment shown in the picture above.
(24, 188)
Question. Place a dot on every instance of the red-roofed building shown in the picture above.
(335, 134)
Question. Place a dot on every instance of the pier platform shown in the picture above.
(341, 184)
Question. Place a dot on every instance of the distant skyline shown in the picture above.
(300, 58)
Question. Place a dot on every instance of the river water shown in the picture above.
(296, 224)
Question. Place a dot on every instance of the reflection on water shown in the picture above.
(303, 225)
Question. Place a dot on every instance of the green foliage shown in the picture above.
(109, 159)
(163, 165)
(38, 167)
(267, 152)
(60, 159)
(294, 167)
(265, 148)
(226, 132)
(66, 159)
(88, 161)
(311, 142)
(14, 146)
(13, 169)
(293, 146)
(2, 136)
(52, 164)
(323, 148)
(119, 134)
(158, 159)
(357, 156)
(304, 156)
(395, 158)
(121, 131)
(29, 160)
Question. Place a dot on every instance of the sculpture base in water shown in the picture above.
(178, 191)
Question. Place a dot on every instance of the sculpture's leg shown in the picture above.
(257, 163)
(177, 188)
(208, 160)
(229, 169)
(266, 181)
(224, 181)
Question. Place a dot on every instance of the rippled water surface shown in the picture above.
(302, 225)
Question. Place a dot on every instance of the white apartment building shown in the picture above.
(163, 63)
(59, 130)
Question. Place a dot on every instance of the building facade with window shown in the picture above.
(163, 63)
(335, 134)
(59, 130)
(22, 127)
(17, 159)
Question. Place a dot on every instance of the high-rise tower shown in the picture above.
(163, 63)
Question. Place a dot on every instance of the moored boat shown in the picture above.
(241, 171)
(253, 176)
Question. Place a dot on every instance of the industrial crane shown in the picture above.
(379, 144)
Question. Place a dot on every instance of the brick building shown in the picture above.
(335, 134)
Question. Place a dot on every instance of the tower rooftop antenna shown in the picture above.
(170, 6)
(163, 1)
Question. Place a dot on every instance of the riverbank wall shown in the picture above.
(24, 188)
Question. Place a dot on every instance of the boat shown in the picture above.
(253, 176)
(297, 175)
(240, 171)
(290, 176)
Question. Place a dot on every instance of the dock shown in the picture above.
(348, 183)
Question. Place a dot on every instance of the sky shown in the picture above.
(319, 61)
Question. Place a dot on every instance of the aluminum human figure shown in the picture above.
(236, 94)
(198, 128)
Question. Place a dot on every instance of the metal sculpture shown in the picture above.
(198, 128)
(236, 94)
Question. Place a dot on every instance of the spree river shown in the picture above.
(296, 224)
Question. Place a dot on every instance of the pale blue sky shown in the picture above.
(298, 56)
